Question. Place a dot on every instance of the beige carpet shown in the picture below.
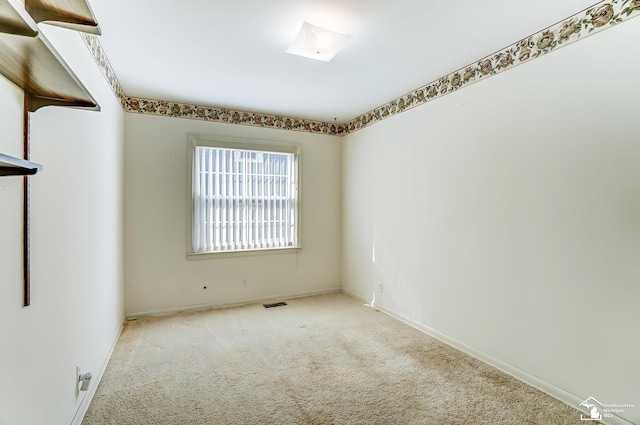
(318, 360)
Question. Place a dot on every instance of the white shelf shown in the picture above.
(10, 166)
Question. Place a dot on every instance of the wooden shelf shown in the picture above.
(32, 64)
(10, 166)
(73, 14)
(12, 23)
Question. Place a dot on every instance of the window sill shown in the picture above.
(248, 253)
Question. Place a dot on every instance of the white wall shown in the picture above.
(159, 277)
(506, 217)
(76, 247)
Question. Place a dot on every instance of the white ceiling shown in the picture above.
(232, 53)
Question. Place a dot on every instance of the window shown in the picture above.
(244, 196)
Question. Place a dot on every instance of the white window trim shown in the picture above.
(194, 140)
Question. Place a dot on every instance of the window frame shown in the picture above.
(194, 140)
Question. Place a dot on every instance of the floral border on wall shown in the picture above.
(599, 17)
(594, 19)
(200, 112)
(232, 116)
(95, 48)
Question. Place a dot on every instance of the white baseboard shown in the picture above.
(199, 307)
(95, 380)
(555, 392)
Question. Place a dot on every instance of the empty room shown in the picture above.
(319, 212)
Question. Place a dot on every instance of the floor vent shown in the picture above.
(274, 304)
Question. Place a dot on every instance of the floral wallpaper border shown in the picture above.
(232, 116)
(95, 48)
(602, 15)
(200, 112)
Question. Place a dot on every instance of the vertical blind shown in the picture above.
(243, 200)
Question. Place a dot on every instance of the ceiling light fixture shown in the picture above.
(317, 43)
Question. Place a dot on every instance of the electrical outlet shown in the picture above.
(380, 287)
(244, 283)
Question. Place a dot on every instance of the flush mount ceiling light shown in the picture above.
(317, 43)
